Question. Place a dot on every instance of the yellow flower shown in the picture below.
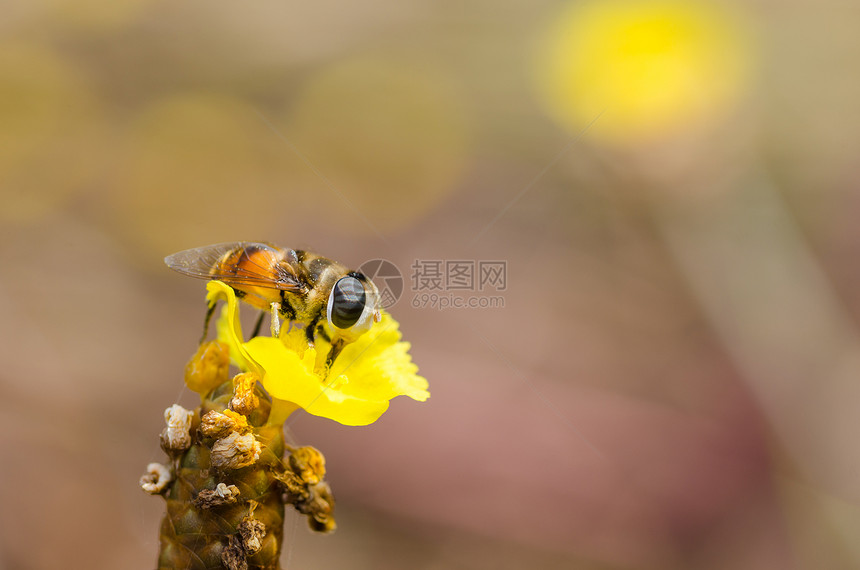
(366, 375)
(646, 68)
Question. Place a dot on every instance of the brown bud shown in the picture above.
(233, 556)
(217, 497)
(320, 509)
(252, 532)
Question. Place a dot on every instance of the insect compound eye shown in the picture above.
(346, 302)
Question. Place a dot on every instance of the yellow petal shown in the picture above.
(287, 377)
(229, 327)
(365, 376)
(378, 365)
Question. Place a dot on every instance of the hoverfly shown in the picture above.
(323, 296)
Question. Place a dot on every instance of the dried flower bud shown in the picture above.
(295, 489)
(233, 556)
(235, 451)
(217, 424)
(219, 496)
(156, 478)
(324, 526)
(208, 367)
(308, 463)
(252, 532)
(244, 400)
(317, 502)
(320, 509)
(177, 435)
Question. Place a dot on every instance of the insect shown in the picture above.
(323, 296)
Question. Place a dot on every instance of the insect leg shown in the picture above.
(276, 321)
(259, 324)
(336, 346)
(309, 330)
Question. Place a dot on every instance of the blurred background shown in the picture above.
(668, 378)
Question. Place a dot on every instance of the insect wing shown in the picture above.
(206, 263)
(199, 261)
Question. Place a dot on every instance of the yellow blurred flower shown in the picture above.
(366, 375)
(647, 68)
